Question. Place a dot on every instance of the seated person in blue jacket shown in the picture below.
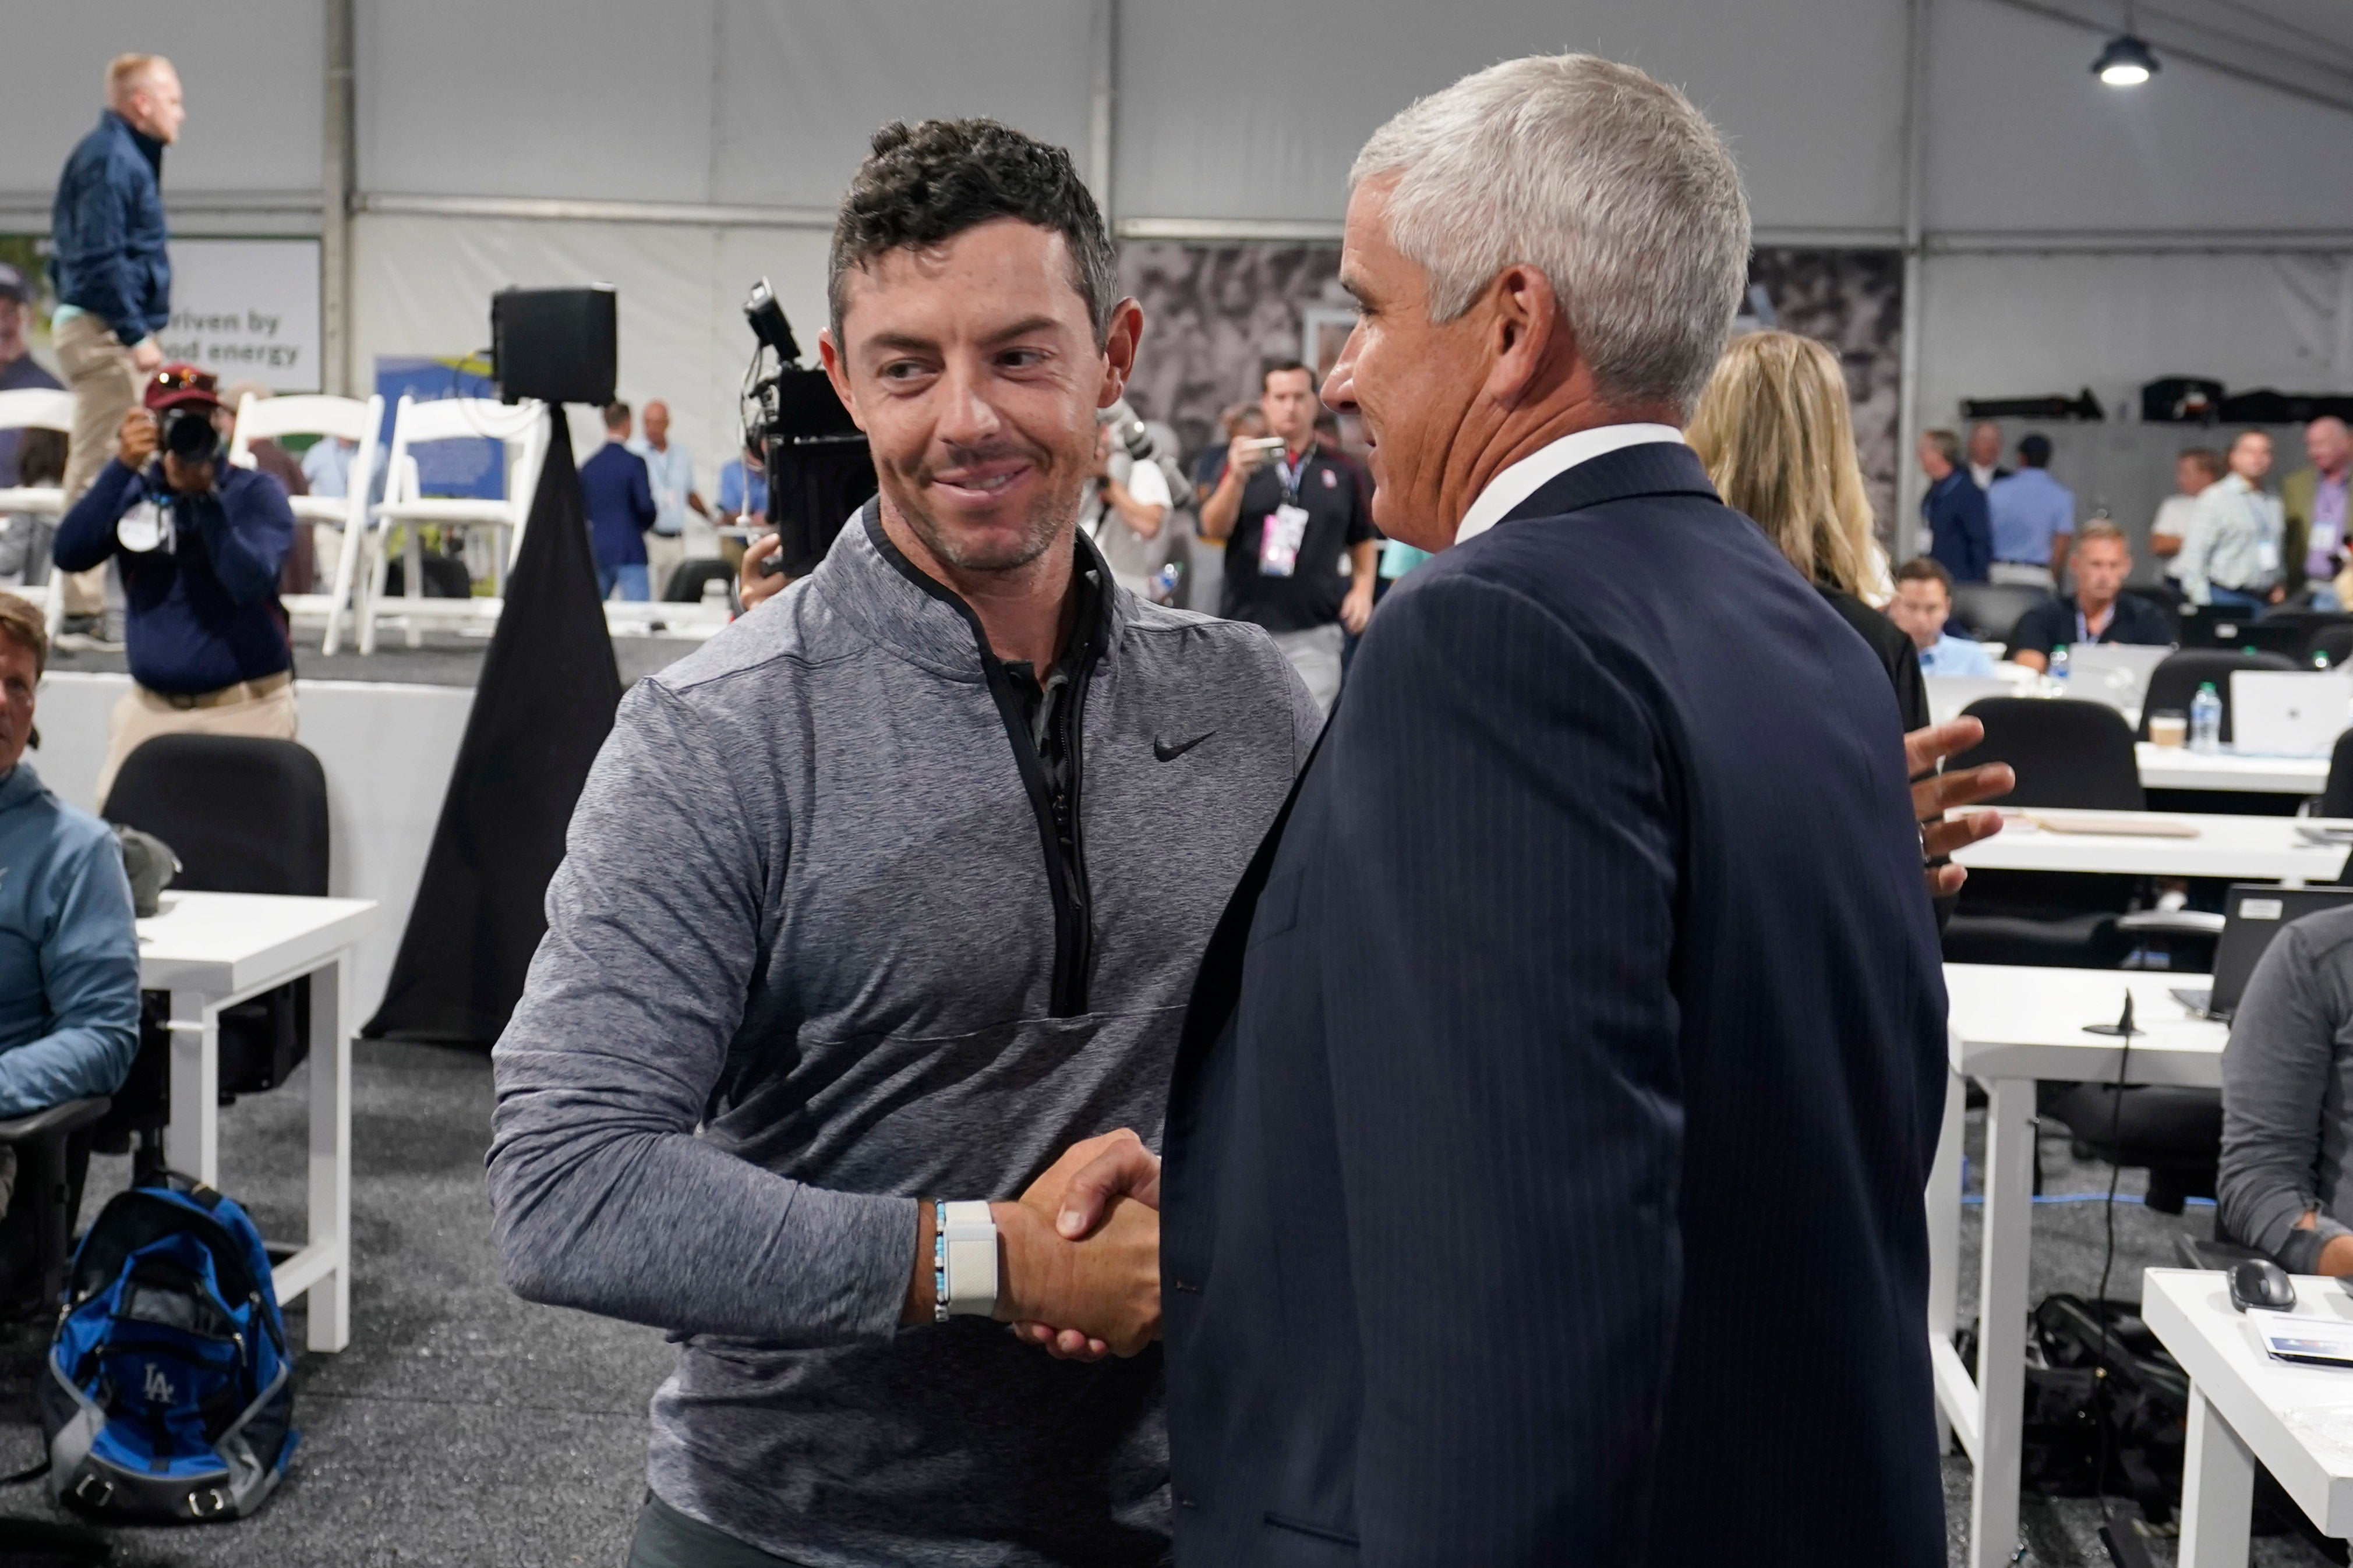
(2285, 1185)
(620, 500)
(69, 953)
(1922, 603)
(200, 543)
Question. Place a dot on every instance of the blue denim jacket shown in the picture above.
(111, 256)
(69, 951)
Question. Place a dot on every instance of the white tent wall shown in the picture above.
(2022, 138)
(1235, 108)
(682, 340)
(723, 131)
(251, 69)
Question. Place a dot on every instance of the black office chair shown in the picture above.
(2066, 753)
(2333, 644)
(2293, 633)
(52, 1152)
(1991, 610)
(2175, 681)
(243, 815)
(2175, 1134)
(2336, 795)
(687, 580)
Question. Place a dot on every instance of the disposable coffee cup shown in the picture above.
(2168, 728)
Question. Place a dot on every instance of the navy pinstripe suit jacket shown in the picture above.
(1547, 1146)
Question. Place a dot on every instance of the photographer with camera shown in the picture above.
(1125, 511)
(1301, 549)
(200, 543)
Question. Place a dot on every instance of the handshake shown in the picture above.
(1081, 1262)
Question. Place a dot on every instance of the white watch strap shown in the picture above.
(972, 1259)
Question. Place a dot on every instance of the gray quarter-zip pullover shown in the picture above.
(822, 902)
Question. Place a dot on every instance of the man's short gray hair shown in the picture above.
(1606, 180)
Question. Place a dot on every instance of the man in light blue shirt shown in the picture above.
(69, 951)
(2033, 518)
(671, 473)
(1922, 603)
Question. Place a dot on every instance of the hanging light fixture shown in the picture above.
(2127, 61)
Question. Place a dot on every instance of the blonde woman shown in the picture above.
(1774, 432)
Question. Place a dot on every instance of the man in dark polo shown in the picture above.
(2099, 611)
(1301, 548)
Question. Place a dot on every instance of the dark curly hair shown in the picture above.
(926, 183)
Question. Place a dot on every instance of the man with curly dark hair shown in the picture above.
(896, 891)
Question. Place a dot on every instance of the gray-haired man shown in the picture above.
(896, 890)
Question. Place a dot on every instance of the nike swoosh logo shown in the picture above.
(1168, 753)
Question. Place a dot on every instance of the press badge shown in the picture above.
(143, 527)
(1279, 541)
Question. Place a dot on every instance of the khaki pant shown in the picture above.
(142, 715)
(105, 387)
(664, 551)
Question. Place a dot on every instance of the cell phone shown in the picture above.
(1264, 445)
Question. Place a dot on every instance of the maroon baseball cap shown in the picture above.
(182, 386)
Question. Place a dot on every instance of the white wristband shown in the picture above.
(971, 1235)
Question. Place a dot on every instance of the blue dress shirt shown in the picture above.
(2027, 510)
(1949, 655)
(69, 951)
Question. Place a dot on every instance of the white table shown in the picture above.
(2244, 848)
(2177, 767)
(2009, 1027)
(211, 950)
(2244, 1406)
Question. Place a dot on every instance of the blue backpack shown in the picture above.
(170, 1395)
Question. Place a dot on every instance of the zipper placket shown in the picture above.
(1066, 878)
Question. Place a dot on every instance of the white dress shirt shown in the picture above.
(1541, 467)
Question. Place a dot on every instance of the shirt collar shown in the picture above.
(1547, 463)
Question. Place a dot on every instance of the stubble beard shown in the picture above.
(1056, 507)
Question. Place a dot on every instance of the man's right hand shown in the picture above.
(1102, 1294)
(145, 355)
(1244, 458)
(134, 441)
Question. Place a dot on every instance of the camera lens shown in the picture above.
(189, 435)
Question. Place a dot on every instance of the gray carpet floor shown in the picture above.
(464, 1427)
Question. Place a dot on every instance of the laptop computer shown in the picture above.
(2252, 914)
(2113, 673)
(1949, 694)
(2289, 713)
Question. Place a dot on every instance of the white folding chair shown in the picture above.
(266, 418)
(38, 409)
(523, 427)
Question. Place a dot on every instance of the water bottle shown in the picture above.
(2059, 663)
(2206, 719)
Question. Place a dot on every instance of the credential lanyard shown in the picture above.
(1290, 473)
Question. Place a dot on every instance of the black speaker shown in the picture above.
(559, 345)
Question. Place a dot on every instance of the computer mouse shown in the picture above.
(2260, 1282)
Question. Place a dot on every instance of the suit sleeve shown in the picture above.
(1976, 530)
(641, 496)
(1505, 1079)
